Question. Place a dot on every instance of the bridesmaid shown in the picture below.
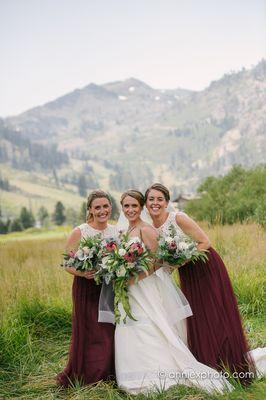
(91, 354)
(215, 332)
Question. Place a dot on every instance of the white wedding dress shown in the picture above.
(150, 353)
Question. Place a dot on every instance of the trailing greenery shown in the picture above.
(236, 197)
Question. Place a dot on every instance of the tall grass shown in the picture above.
(35, 314)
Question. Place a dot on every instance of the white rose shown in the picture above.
(176, 238)
(80, 255)
(183, 246)
(130, 265)
(104, 262)
(122, 271)
(133, 240)
(168, 239)
(122, 252)
(86, 249)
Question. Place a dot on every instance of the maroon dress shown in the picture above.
(91, 355)
(215, 333)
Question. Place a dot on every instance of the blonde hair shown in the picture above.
(96, 194)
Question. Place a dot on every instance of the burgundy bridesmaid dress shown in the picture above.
(91, 355)
(215, 333)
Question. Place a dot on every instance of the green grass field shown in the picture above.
(33, 190)
(53, 232)
(35, 309)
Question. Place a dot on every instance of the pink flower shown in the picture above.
(111, 246)
(172, 245)
(140, 250)
(72, 254)
(129, 257)
(136, 247)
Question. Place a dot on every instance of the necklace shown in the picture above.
(132, 228)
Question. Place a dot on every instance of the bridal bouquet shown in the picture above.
(125, 260)
(89, 255)
(177, 250)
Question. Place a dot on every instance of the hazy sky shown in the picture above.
(50, 47)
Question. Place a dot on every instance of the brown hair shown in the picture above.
(136, 194)
(160, 188)
(96, 194)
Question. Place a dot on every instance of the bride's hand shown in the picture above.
(186, 262)
(168, 268)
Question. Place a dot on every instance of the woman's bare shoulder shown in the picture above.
(183, 218)
(148, 230)
(75, 233)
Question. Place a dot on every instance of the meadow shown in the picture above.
(35, 314)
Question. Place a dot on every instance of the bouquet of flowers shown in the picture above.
(177, 250)
(89, 255)
(107, 246)
(125, 260)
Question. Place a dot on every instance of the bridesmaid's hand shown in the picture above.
(89, 274)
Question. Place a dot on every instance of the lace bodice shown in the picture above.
(110, 232)
(171, 220)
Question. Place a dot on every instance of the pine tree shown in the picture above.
(15, 225)
(3, 226)
(82, 186)
(26, 218)
(83, 212)
(4, 184)
(115, 209)
(56, 178)
(59, 214)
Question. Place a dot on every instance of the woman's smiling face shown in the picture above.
(156, 203)
(131, 208)
(101, 210)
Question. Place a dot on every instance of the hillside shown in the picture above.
(125, 133)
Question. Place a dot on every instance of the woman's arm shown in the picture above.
(73, 244)
(149, 237)
(192, 229)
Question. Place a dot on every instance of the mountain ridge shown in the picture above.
(130, 134)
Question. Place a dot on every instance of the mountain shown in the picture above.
(126, 133)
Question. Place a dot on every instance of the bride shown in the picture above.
(150, 353)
